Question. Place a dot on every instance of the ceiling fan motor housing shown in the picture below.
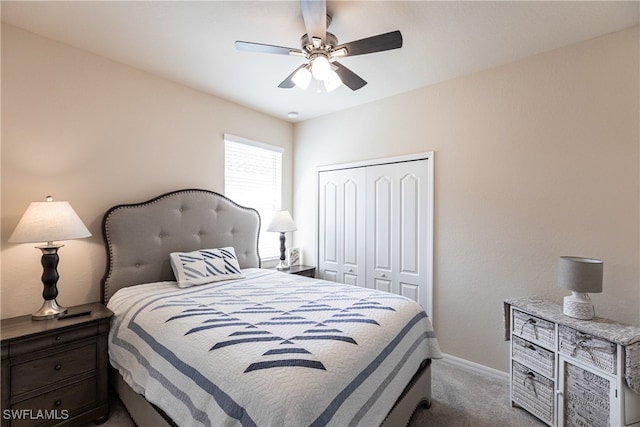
(308, 45)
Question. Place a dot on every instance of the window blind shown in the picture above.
(253, 178)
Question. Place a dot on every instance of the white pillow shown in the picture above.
(205, 266)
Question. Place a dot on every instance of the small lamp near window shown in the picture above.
(282, 222)
(581, 276)
(48, 222)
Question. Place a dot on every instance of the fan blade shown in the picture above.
(266, 48)
(379, 43)
(288, 82)
(348, 77)
(314, 13)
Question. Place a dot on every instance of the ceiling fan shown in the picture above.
(321, 49)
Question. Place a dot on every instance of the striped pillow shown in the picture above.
(205, 266)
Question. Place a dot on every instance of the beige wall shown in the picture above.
(533, 160)
(97, 133)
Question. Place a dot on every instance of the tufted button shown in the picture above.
(137, 265)
(160, 235)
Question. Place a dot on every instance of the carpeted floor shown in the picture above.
(461, 398)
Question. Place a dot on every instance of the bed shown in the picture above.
(203, 336)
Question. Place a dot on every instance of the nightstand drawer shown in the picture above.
(51, 340)
(534, 329)
(52, 369)
(60, 404)
(533, 392)
(588, 349)
(533, 356)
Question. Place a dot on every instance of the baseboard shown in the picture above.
(476, 367)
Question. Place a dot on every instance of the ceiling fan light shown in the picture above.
(320, 67)
(332, 82)
(302, 78)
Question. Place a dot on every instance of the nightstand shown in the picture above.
(301, 270)
(56, 371)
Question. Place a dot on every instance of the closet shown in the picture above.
(375, 225)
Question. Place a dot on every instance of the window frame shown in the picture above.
(273, 238)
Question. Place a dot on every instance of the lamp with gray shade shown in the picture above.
(581, 276)
(282, 222)
(48, 222)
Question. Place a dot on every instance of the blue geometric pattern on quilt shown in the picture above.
(205, 266)
(290, 348)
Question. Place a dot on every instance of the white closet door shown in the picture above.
(398, 233)
(341, 226)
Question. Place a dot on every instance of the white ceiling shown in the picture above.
(192, 42)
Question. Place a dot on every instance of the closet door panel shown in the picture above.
(341, 226)
(350, 223)
(328, 228)
(381, 231)
(375, 226)
(383, 285)
(410, 291)
(409, 224)
(414, 252)
(397, 234)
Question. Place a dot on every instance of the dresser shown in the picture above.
(56, 371)
(570, 372)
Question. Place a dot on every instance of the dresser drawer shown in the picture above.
(50, 340)
(52, 369)
(534, 329)
(590, 350)
(60, 404)
(533, 392)
(534, 357)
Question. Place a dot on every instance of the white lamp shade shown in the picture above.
(580, 274)
(332, 82)
(320, 67)
(281, 221)
(302, 78)
(47, 222)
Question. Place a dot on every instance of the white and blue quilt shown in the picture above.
(269, 349)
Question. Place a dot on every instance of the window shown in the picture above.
(253, 178)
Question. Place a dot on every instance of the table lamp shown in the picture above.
(282, 222)
(46, 222)
(581, 276)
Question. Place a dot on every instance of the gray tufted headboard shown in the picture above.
(140, 237)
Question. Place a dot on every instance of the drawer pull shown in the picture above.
(532, 322)
(58, 337)
(57, 367)
(57, 403)
(532, 380)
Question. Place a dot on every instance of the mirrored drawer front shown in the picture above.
(533, 392)
(52, 369)
(533, 356)
(588, 349)
(59, 404)
(534, 329)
